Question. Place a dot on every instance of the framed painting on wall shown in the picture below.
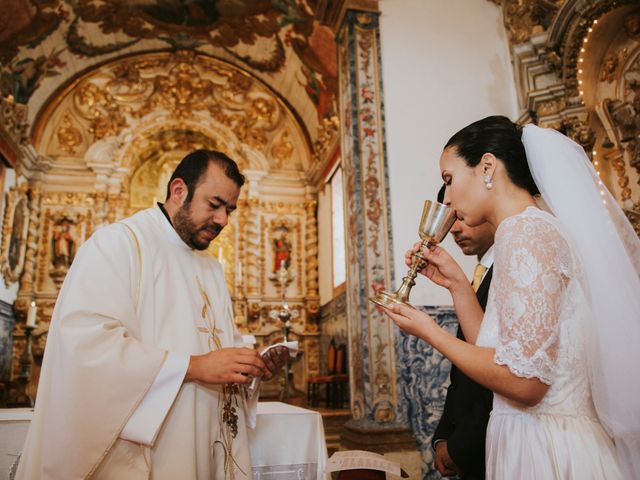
(15, 228)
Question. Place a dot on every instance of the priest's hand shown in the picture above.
(275, 359)
(226, 365)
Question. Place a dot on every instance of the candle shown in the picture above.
(220, 254)
(31, 316)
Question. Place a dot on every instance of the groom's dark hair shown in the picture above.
(501, 137)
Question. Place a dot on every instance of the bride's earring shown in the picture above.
(487, 182)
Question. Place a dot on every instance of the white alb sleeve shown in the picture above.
(146, 420)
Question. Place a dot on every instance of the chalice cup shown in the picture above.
(437, 219)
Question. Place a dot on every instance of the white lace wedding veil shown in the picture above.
(609, 250)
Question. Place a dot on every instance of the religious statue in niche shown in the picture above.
(64, 243)
(281, 249)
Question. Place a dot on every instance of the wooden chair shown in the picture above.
(340, 379)
(314, 383)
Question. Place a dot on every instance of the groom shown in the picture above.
(459, 439)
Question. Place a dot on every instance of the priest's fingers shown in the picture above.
(252, 358)
(240, 378)
(271, 366)
(225, 365)
(248, 370)
(275, 359)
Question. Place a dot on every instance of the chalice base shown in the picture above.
(386, 299)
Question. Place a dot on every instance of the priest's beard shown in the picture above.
(196, 237)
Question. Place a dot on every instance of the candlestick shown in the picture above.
(31, 316)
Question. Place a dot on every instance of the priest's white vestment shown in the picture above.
(135, 295)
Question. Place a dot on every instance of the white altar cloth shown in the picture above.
(288, 443)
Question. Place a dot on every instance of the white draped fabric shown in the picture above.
(609, 252)
(133, 293)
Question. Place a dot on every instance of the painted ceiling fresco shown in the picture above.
(46, 43)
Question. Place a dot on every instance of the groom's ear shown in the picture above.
(488, 164)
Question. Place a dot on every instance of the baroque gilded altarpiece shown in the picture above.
(107, 145)
(577, 69)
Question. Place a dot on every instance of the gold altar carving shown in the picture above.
(612, 64)
(13, 118)
(172, 91)
(578, 71)
(28, 275)
(523, 19)
(327, 132)
(69, 137)
(107, 144)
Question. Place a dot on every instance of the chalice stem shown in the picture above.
(419, 260)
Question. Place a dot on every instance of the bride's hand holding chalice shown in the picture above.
(437, 219)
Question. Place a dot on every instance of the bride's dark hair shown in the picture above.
(501, 137)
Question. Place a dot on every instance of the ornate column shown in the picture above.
(312, 299)
(379, 413)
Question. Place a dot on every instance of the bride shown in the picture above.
(559, 341)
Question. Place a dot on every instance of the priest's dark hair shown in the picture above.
(192, 167)
(501, 137)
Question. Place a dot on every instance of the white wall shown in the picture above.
(8, 294)
(445, 64)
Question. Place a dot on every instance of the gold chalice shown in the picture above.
(437, 219)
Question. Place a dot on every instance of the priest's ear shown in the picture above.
(178, 191)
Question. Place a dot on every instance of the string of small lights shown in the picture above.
(594, 153)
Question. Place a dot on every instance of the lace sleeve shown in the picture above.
(532, 268)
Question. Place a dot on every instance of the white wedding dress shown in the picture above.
(537, 320)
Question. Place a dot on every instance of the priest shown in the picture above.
(144, 372)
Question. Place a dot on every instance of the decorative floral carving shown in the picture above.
(282, 150)
(327, 136)
(632, 25)
(13, 118)
(633, 214)
(523, 19)
(611, 65)
(69, 136)
(580, 132)
(551, 107)
(625, 115)
(197, 93)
